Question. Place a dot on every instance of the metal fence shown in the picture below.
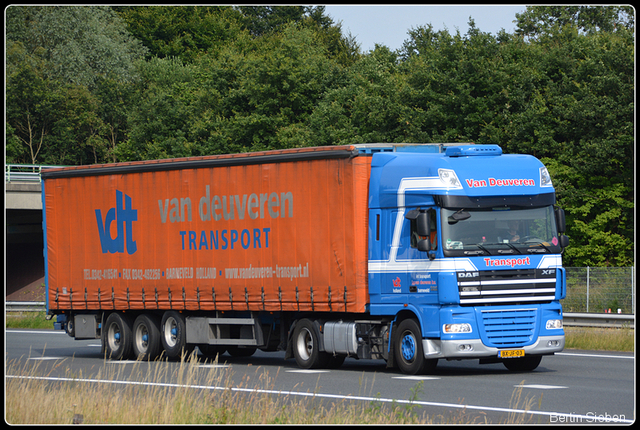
(600, 289)
(24, 172)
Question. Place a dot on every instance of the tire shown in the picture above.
(212, 351)
(173, 334)
(117, 337)
(306, 346)
(408, 351)
(335, 361)
(525, 364)
(146, 338)
(236, 351)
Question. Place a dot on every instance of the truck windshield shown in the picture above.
(498, 231)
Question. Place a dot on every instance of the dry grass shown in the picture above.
(600, 339)
(189, 399)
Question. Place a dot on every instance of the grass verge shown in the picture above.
(600, 339)
(32, 320)
(200, 395)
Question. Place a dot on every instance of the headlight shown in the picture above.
(554, 324)
(457, 328)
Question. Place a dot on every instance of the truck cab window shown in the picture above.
(497, 231)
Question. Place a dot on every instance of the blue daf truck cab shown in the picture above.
(469, 240)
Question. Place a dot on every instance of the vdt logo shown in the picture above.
(123, 217)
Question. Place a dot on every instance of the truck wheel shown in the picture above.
(146, 337)
(173, 333)
(408, 348)
(236, 351)
(335, 361)
(117, 336)
(306, 347)
(212, 351)
(524, 364)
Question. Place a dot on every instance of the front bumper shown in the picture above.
(474, 348)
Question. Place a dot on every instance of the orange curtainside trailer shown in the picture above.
(272, 231)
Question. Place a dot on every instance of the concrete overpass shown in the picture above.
(24, 261)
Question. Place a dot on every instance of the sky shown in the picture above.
(389, 25)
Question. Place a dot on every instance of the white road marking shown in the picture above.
(595, 355)
(540, 387)
(47, 358)
(416, 378)
(308, 371)
(36, 332)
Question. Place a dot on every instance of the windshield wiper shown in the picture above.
(539, 251)
(484, 250)
(502, 251)
(512, 247)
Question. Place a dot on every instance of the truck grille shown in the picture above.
(509, 328)
(507, 286)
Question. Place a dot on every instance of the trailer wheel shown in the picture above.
(117, 336)
(408, 349)
(173, 333)
(146, 337)
(306, 347)
(524, 364)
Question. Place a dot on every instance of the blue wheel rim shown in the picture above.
(408, 347)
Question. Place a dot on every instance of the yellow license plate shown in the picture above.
(511, 353)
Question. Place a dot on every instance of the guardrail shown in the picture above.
(24, 172)
(571, 319)
(25, 306)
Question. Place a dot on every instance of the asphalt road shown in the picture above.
(574, 387)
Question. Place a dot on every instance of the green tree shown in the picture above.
(57, 60)
(31, 111)
(458, 84)
(251, 95)
(261, 20)
(366, 107)
(79, 43)
(182, 31)
(537, 20)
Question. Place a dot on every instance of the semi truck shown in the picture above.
(408, 253)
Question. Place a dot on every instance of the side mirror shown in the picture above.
(560, 220)
(461, 215)
(423, 228)
(424, 245)
(564, 241)
(422, 224)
